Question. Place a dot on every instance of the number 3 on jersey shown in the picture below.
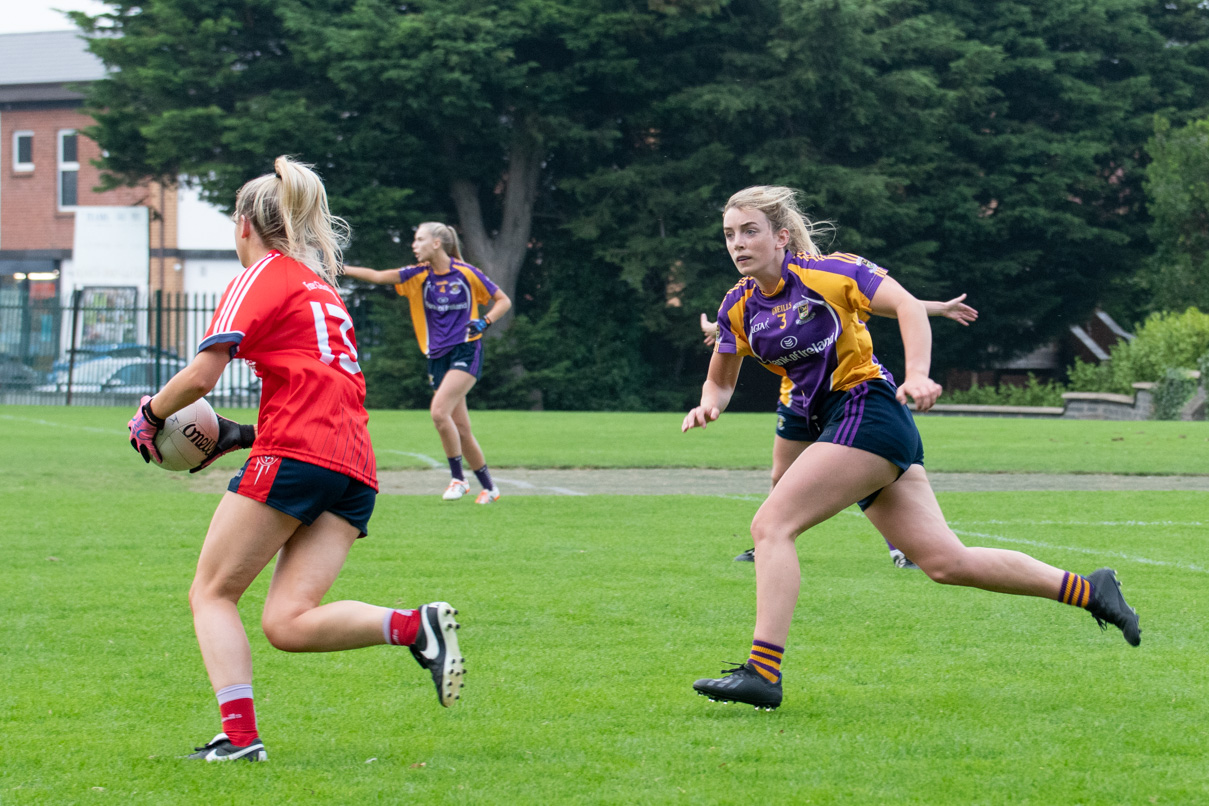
(348, 361)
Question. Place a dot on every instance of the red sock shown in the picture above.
(238, 714)
(401, 627)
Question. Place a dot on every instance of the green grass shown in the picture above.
(609, 439)
(586, 619)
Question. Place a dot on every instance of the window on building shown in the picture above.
(23, 151)
(69, 169)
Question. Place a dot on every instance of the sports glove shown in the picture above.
(477, 326)
(144, 425)
(232, 436)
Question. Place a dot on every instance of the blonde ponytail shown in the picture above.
(446, 235)
(289, 210)
(780, 205)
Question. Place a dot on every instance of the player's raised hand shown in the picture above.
(922, 390)
(232, 436)
(700, 417)
(144, 425)
(958, 311)
(709, 330)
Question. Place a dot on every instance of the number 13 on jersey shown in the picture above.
(323, 333)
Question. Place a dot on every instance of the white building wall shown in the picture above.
(201, 225)
(111, 248)
(209, 277)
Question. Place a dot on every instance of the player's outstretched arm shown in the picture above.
(954, 309)
(716, 392)
(385, 277)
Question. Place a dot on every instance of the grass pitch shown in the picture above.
(586, 620)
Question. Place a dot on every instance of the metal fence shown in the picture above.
(106, 347)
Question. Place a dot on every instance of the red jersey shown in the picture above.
(295, 332)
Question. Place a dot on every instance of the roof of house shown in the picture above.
(35, 65)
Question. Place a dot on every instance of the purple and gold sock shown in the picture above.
(1075, 590)
(765, 658)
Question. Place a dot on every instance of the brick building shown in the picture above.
(57, 233)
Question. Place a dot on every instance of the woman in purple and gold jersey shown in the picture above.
(445, 294)
(802, 315)
(794, 434)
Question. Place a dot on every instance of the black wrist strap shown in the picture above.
(151, 417)
(247, 435)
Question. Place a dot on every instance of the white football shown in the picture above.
(188, 436)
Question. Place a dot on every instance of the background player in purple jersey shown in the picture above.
(445, 294)
(803, 315)
(786, 445)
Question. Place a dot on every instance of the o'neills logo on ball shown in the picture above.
(195, 435)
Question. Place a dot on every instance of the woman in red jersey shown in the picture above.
(445, 294)
(802, 314)
(307, 490)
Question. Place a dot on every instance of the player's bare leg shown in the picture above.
(825, 479)
(471, 451)
(294, 620)
(452, 391)
(908, 515)
(242, 539)
(445, 402)
(784, 453)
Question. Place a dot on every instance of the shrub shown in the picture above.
(1033, 393)
(1174, 389)
(1164, 341)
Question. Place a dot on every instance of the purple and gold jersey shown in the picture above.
(812, 330)
(442, 305)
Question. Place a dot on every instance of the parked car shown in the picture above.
(89, 352)
(124, 376)
(15, 375)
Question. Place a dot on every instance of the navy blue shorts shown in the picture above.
(467, 357)
(795, 427)
(305, 491)
(869, 417)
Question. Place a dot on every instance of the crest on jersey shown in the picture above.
(805, 312)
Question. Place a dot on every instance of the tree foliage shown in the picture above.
(1177, 188)
(585, 148)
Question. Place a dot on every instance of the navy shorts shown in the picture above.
(467, 357)
(305, 491)
(795, 427)
(869, 417)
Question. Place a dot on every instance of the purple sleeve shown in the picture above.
(726, 342)
(407, 272)
(868, 276)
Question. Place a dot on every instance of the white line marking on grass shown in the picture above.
(1094, 552)
(60, 425)
(524, 485)
(1080, 523)
(421, 456)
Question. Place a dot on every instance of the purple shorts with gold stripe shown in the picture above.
(870, 418)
